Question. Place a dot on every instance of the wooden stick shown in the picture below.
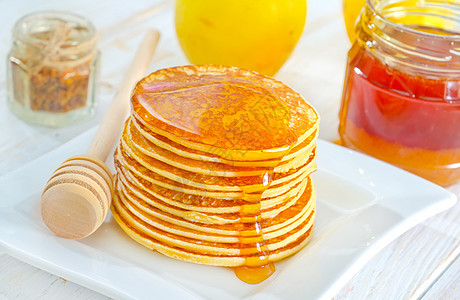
(148, 13)
(77, 197)
(110, 127)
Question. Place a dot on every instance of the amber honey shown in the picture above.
(213, 167)
(401, 98)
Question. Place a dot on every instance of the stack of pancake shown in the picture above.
(213, 167)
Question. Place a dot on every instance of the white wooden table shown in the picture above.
(420, 264)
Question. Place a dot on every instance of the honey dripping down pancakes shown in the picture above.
(213, 167)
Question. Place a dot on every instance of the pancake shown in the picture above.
(157, 170)
(213, 167)
(201, 203)
(222, 122)
(135, 139)
(215, 260)
(162, 142)
(173, 221)
(211, 245)
(218, 213)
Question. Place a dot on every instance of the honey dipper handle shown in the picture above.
(110, 126)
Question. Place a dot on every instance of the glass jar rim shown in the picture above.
(371, 5)
(401, 37)
(22, 29)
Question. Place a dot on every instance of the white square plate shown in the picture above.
(363, 204)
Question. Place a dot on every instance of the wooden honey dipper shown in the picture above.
(77, 197)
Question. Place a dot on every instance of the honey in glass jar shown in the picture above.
(401, 97)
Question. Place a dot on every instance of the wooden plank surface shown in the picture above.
(22, 281)
(421, 264)
(448, 284)
(411, 266)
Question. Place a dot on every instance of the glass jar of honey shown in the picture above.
(401, 97)
(52, 68)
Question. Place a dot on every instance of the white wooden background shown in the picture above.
(421, 264)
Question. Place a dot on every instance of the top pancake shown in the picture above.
(236, 114)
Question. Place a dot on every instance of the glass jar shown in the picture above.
(52, 68)
(401, 98)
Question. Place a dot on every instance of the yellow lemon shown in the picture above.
(351, 11)
(258, 34)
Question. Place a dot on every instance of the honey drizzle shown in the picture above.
(256, 268)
